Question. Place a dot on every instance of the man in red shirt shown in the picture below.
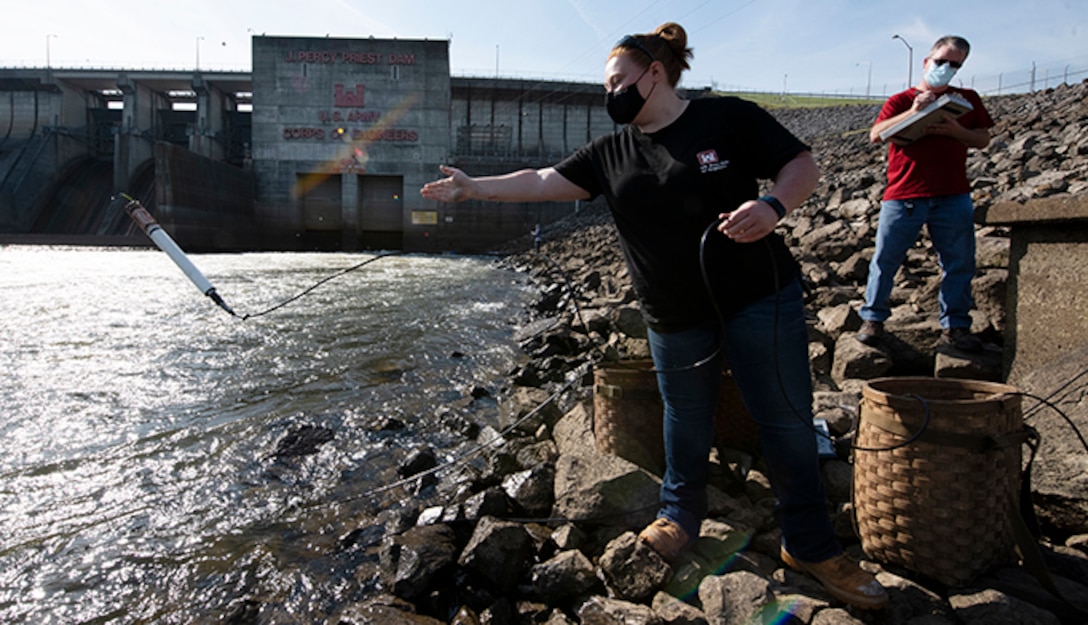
(927, 184)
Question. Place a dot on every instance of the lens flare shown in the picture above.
(713, 556)
(776, 612)
(353, 155)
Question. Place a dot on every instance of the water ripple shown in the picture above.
(138, 480)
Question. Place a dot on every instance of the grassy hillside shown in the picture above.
(789, 100)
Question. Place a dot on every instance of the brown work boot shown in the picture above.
(961, 339)
(665, 537)
(843, 579)
(871, 332)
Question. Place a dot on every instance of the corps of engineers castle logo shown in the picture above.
(709, 162)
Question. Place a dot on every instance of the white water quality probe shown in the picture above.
(155, 232)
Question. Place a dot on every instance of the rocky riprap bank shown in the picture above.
(543, 530)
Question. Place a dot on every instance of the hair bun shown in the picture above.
(675, 35)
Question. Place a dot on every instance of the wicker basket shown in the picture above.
(627, 415)
(941, 505)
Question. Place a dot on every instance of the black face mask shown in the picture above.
(624, 105)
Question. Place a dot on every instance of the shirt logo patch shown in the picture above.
(709, 161)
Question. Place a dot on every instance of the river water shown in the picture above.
(139, 479)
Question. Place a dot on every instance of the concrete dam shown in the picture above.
(322, 146)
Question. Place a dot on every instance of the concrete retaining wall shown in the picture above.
(1048, 286)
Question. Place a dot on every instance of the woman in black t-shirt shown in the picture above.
(681, 180)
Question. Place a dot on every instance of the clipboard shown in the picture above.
(914, 126)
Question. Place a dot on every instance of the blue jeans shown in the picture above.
(950, 220)
(766, 348)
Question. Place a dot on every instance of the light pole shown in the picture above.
(47, 38)
(910, 60)
(198, 52)
(869, 80)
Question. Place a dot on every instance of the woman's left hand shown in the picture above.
(752, 221)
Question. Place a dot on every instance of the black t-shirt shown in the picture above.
(666, 188)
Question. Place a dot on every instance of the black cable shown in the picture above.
(1028, 414)
(718, 350)
(573, 378)
(778, 370)
(482, 446)
(317, 284)
(908, 441)
(591, 519)
(714, 304)
(573, 297)
(1048, 404)
(785, 396)
(576, 376)
(706, 283)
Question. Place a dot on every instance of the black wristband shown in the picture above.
(775, 204)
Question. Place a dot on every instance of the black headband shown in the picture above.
(629, 41)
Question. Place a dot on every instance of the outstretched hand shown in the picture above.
(453, 188)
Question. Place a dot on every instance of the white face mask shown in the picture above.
(939, 75)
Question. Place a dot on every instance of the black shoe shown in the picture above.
(871, 332)
(961, 339)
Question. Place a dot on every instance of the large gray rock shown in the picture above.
(854, 359)
(412, 560)
(911, 600)
(992, 252)
(953, 363)
(537, 453)
(499, 551)
(491, 501)
(1017, 582)
(606, 489)
(631, 569)
(568, 573)
(839, 319)
(531, 490)
(604, 611)
(557, 617)
(383, 610)
(836, 616)
(525, 400)
(573, 433)
(674, 611)
(734, 597)
(628, 321)
(992, 607)
(832, 242)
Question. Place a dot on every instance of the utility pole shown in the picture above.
(48, 64)
(910, 61)
(869, 80)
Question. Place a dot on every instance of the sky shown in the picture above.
(795, 46)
